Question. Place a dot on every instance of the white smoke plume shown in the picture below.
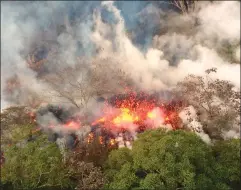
(220, 20)
(150, 70)
(190, 119)
(231, 134)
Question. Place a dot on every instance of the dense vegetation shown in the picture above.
(174, 160)
(159, 159)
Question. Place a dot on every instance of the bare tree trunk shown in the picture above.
(186, 6)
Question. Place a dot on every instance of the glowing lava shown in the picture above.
(128, 112)
(151, 115)
(90, 138)
(72, 125)
(101, 120)
(112, 142)
(126, 116)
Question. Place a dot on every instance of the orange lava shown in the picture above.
(72, 125)
(128, 111)
(126, 116)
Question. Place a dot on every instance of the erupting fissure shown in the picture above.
(129, 113)
(133, 109)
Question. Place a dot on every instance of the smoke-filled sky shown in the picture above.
(154, 44)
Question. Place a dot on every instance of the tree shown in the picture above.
(81, 83)
(15, 115)
(92, 150)
(227, 165)
(38, 164)
(118, 170)
(86, 175)
(85, 163)
(16, 124)
(216, 101)
(186, 6)
(162, 160)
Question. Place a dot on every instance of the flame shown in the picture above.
(112, 142)
(131, 113)
(167, 118)
(151, 115)
(90, 138)
(101, 140)
(126, 116)
(72, 125)
(133, 110)
(101, 120)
